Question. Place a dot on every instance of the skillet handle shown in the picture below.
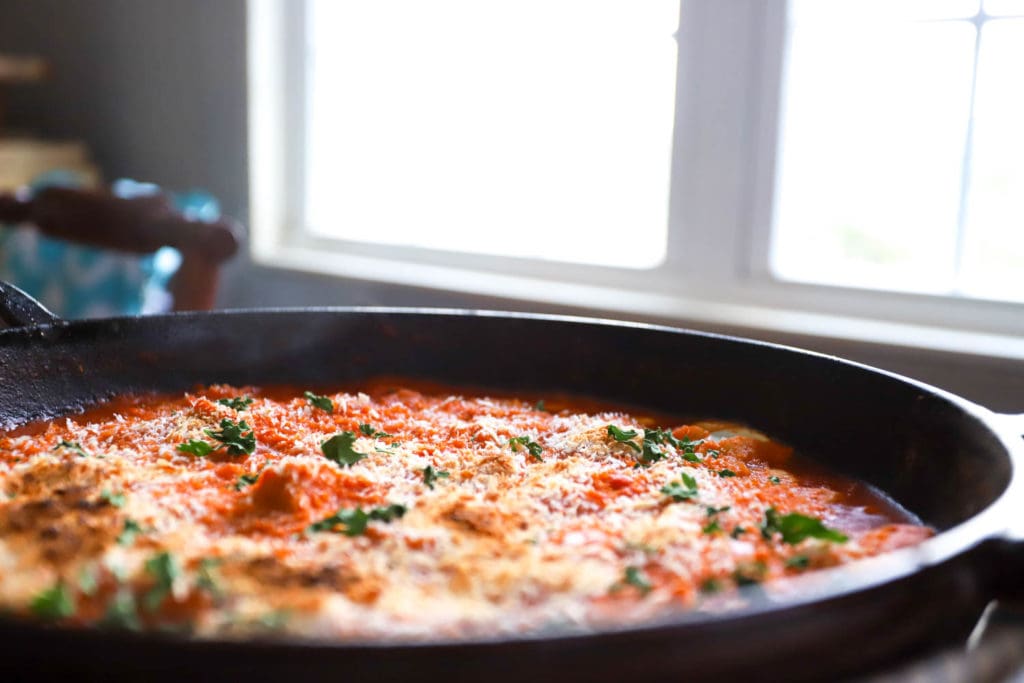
(18, 309)
(1005, 564)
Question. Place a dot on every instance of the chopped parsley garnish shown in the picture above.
(322, 402)
(129, 532)
(237, 404)
(198, 448)
(115, 499)
(710, 585)
(87, 581)
(122, 612)
(539, 406)
(636, 578)
(338, 449)
(354, 522)
(749, 573)
(369, 431)
(54, 603)
(650, 450)
(712, 510)
(726, 473)
(164, 569)
(238, 437)
(206, 576)
(430, 476)
(713, 453)
(680, 491)
(650, 446)
(625, 436)
(274, 620)
(533, 447)
(712, 527)
(798, 562)
(72, 446)
(774, 480)
(796, 527)
(689, 450)
(246, 480)
(736, 531)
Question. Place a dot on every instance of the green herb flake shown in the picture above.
(726, 473)
(774, 480)
(338, 449)
(122, 612)
(539, 406)
(164, 569)
(354, 522)
(798, 562)
(195, 447)
(795, 527)
(88, 582)
(689, 449)
(274, 620)
(322, 402)
(531, 446)
(680, 491)
(650, 447)
(625, 436)
(246, 480)
(713, 453)
(749, 573)
(369, 431)
(636, 578)
(129, 532)
(207, 578)
(737, 531)
(710, 585)
(237, 404)
(115, 499)
(72, 446)
(430, 476)
(712, 510)
(712, 527)
(238, 437)
(54, 603)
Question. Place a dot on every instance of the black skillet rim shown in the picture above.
(992, 524)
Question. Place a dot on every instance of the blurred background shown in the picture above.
(841, 175)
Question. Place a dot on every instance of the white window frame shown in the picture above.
(721, 198)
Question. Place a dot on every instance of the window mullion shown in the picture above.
(717, 75)
(965, 174)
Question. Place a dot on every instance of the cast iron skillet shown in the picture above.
(945, 459)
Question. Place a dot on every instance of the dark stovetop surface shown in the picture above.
(993, 654)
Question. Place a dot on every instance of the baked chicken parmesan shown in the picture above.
(388, 513)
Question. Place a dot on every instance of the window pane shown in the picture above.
(1004, 7)
(874, 125)
(532, 128)
(993, 259)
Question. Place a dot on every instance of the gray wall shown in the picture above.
(157, 89)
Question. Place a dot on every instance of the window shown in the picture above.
(822, 166)
(902, 165)
(524, 128)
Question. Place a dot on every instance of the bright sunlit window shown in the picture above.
(902, 147)
(837, 167)
(525, 128)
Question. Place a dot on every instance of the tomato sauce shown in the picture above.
(393, 509)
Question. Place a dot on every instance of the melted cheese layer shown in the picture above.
(526, 519)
